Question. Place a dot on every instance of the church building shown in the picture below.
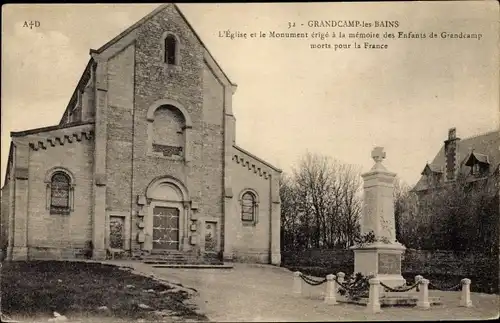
(143, 162)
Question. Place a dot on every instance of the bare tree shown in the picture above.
(322, 200)
(289, 212)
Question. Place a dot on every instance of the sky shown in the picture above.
(291, 99)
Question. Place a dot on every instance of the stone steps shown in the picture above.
(180, 258)
(195, 266)
(183, 261)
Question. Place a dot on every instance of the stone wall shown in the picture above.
(4, 219)
(120, 130)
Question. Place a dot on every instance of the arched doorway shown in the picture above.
(167, 216)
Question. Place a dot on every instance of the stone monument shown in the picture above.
(380, 256)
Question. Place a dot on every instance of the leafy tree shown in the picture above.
(461, 215)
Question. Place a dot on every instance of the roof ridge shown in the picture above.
(33, 131)
(179, 11)
(131, 27)
(481, 134)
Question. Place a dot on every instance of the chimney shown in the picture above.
(451, 154)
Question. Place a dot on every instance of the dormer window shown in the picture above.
(434, 174)
(479, 164)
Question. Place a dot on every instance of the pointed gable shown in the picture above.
(430, 169)
(127, 32)
(475, 157)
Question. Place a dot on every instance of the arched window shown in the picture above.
(248, 207)
(170, 49)
(60, 189)
(168, 131)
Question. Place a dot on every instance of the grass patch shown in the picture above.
(78, 288)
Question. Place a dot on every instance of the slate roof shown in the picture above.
(485, 148)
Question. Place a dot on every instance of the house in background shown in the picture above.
(473, 159)
(456, 202)
(143, 162)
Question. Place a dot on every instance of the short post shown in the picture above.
(417, 279)
(331, 290)
(297, 283)
(373, 305)
(465, 300)
(423, 297)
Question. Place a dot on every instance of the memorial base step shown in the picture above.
(401, 300)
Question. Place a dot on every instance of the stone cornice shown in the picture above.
(61, 140)
(56, 136)
(245, 154)
(252, 163)
(380, 246)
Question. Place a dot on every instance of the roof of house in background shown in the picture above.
(433, 168)
(485, 148)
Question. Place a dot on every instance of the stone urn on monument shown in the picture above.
(380, 254)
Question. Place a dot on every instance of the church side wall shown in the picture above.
(60, 235)
(251, 242)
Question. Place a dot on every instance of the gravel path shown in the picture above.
(263, 293)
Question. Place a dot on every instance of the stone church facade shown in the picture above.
(143, 161)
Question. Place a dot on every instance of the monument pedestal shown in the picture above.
(382, 260)
(380, 253)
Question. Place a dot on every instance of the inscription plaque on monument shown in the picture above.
(389, 263)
